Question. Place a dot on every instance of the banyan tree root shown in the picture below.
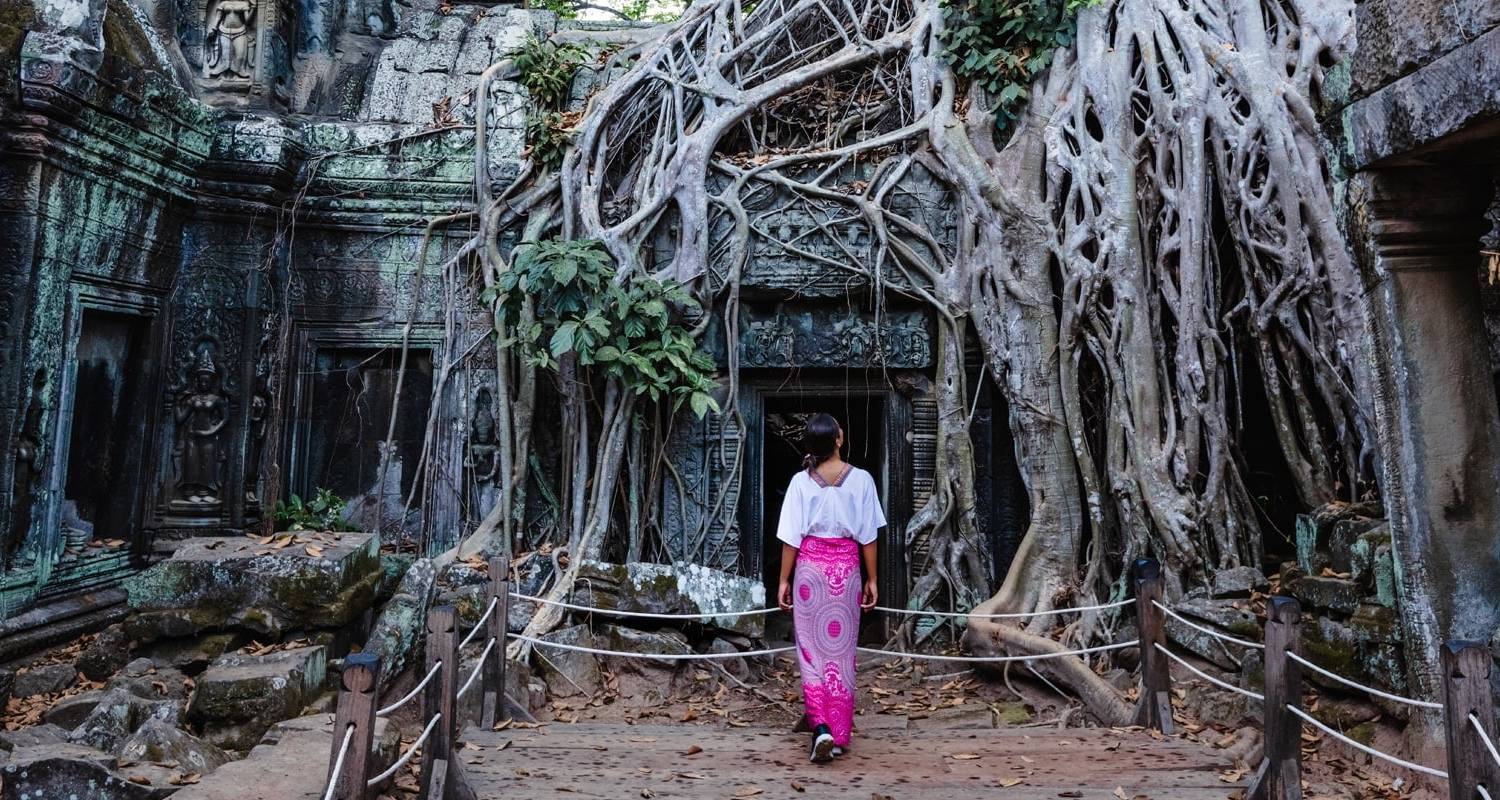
(1152, 243)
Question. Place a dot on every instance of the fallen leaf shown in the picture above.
(749, 791)
(797, 787)
(965, 756)
(693, 751)
(1009, 782)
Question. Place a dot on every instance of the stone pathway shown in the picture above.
(659, 761)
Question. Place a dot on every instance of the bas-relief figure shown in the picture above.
(28, 469)
(201, 412)
(229, 40)
(260, 411)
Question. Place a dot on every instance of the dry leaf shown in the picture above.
(797, 787)
(749, 791)
(965, 756)
(313, 550)
(1009, 782)
(693, 751)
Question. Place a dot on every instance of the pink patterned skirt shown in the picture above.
(825, 588)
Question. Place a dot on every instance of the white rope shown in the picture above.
(1482, 792)
(1485, 737)
(1311, 720)
(479, 626)
(999, 659)
(338, 762)
(1395, 698)
(661, 656)
(617, 613)
(410, 751)
(413, 693)
(1210, 631)
(1211, 679)
(478, 668)
(1022, 615)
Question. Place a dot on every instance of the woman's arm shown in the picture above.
(872, 594)
(784, 594)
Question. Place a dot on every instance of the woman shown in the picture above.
(828, 525)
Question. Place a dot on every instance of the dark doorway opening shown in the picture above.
(863, 418)
(106, 424)
(347, 413)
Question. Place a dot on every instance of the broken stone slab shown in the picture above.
(1360, 652)
(1238, 582)
(240, 696)
(1371, 565)
(1223, 707)
(32, 735)
(290, 763)
(402, 620)
(569, 672)
(192, 655)
(1221, 615)
(161, 742)
(1341, 537)
(74, 772)
(107, 654)
(1314, 531)
(1331, 594)
(45, 679)
(679, 588)
(216, 584)
(118, 714)
(70, 712)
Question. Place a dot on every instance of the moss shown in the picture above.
(1012, 714)
(1363, 733)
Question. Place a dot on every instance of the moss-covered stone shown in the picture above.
(679, 588)
(240, 696)
(1012, 714)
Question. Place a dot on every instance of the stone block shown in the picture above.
(46, 679)
(161, 742)
(569, 672)
(240, 696)
(214, 584)
(31, 736)
(1238, 582)
(403, 619)
(1222, 615)
(194, 654)
(70, 712)
(290, 763)
(1332, 594)
(118, 714)
(679, 588)
(1364, 555)
(1341, 538)
(75, 772)
(107, 654)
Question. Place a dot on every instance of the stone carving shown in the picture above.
(483, 459)
(821, 339)
(201, 412)
(28, 468)
(229, 40)
(260, 409)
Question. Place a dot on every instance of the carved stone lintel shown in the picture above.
(835, 338)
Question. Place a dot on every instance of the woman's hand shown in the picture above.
(870, 597)
(784, 596)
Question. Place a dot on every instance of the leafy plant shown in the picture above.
(547, 138)
(627, 331)
(1004, 44)
(324, 513)
(547, 68)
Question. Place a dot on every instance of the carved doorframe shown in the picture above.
(896, 486)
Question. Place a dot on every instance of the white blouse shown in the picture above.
(847, 508)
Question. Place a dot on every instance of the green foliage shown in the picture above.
(564, 9)
(547, 138)
(626, 331)
(1004, 44)
(324, 513)
(547, 69)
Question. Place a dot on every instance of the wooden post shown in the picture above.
(494, 668)
(1466, 678)
(440, 697)
(1280, 774)
(356, 707)
(1154, 708)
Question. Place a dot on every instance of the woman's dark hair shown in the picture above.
(820, 439)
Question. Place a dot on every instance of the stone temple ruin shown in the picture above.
(212, 281)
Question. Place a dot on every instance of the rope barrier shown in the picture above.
(1395, 698)
(479, 626)
(999, 659)
(1485, 737)
(413, 693)
(1023, 615)
(617, 613)
(478, 668)
(1483, 793)
(660, 656)
(1311, 720)
(410, 751)
(1210, 631)
(338, 762)
(1211, 679)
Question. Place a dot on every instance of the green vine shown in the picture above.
(1003, 45)
(628, 331)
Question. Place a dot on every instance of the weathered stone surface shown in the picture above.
(734, 666)
(1238, 582)
(214, 584)
(118, 714)
(105, 655)
(1351, 652)
(240, 696)
(7, 685)
(193, 654)
(569, 672)
(70, 712)
(1331, 594)
(1370, 565)
(140, 667)
(1222, 615)
(159, 741)
(31, 736)
(679, 588)
(642, 682)
(290, 763)
(402, 620)
(73, 772)
(970, 716)
(46, 679)
(1210, 703)
(1398, 36)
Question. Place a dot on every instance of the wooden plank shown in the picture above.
(440, 697)
(356, 708)
(1466, 673)
(1279, 777)
(1154, 709)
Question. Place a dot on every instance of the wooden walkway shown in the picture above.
(659, 761)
